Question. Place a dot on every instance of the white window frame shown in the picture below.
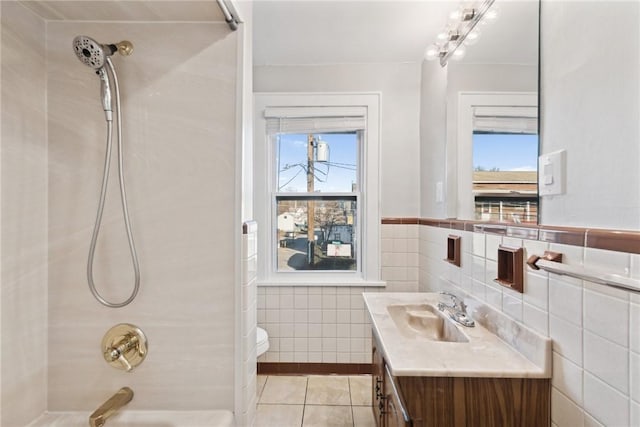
(460, 149)
(368, 271)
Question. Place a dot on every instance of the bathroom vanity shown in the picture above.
(430, 371)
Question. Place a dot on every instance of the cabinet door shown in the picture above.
(377, 386)
(396, 414)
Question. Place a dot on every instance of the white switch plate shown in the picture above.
(551, 173)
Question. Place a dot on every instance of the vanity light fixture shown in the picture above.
(461, 30)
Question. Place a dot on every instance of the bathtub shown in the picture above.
(140, 419)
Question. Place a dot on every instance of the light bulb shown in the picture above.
(432, 52)
(443, 35)
(459, 53)
(472, 38)
(492, 14)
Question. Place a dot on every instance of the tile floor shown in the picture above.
(314, 401)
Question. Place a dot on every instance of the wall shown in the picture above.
(24, 216)
(400, 88)
(433, 140)
(179, 93)
(591, 106)
(248, 306)
(330, 324)
(596, 340)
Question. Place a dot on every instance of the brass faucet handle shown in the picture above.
(124, 346)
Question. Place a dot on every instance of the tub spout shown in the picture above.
(110, 407)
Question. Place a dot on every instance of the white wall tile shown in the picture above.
(536, 289)
(536, 319)
(606, 360)
(610, 261)
(564, 412)
(635, 414)
(567, 377)
(604, 403)
(634, 378)
(492, 243)
(512, 304)
(565, 300)
(479, 244)
(567, 339)
(607, 317)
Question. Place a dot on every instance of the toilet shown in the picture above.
(262, 339)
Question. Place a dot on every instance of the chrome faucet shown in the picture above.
(457, 312)
(110, 407)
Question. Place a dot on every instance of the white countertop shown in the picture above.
(498, 346)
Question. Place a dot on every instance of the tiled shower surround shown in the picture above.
(595, 329)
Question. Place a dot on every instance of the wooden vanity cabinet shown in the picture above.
(458, 401)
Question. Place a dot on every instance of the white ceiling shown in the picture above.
(369, 31)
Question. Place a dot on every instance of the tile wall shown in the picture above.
(329, 324)
(23, 285)
(596, 332)
(180, 151)
(248, 327)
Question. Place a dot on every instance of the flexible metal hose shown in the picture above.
(125, 210)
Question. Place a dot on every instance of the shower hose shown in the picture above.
(125, 210)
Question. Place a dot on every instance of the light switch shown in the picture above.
(551, 173)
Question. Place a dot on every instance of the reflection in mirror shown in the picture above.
(492, 126)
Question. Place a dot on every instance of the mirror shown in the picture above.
(491, 125)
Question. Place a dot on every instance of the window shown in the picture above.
(497, 156)
(316, 188)
(308, 167)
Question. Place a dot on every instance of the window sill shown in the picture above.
(336, 283)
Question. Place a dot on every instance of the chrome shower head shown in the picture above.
(90, 52)
(94, 54)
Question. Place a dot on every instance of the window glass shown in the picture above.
(505, 183)
(332, 243)
(332, 158)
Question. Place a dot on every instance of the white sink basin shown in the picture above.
(424, 321)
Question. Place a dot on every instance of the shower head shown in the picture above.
(94, 54)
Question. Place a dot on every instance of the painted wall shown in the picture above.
(24, 216)
(179, 93)
(591, 108)
(400, 145)
(433, 140)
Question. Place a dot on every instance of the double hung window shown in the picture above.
(319, 191)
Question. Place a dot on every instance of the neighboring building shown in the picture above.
(286, 222)
(506, 196)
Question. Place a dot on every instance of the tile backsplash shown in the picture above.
(595, 332)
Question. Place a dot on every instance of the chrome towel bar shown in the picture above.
(552, 262)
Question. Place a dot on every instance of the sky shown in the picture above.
(335, 176)
(508, 152)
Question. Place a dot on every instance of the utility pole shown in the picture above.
(310, 203)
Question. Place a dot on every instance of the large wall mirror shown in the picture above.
(492, 120)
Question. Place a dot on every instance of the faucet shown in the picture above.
(457, 312)
(110, 407)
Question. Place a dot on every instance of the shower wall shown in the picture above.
(23, 286)
(179, 104)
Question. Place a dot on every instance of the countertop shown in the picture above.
(498, 347)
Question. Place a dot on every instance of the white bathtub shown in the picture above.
(140, 419)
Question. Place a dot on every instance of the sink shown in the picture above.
(424, 321)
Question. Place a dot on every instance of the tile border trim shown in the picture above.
(614, 240)
(283, 368)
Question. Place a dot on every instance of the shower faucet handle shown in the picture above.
(124, 346)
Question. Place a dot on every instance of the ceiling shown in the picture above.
(308, 32)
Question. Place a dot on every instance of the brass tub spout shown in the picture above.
(110, 407)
